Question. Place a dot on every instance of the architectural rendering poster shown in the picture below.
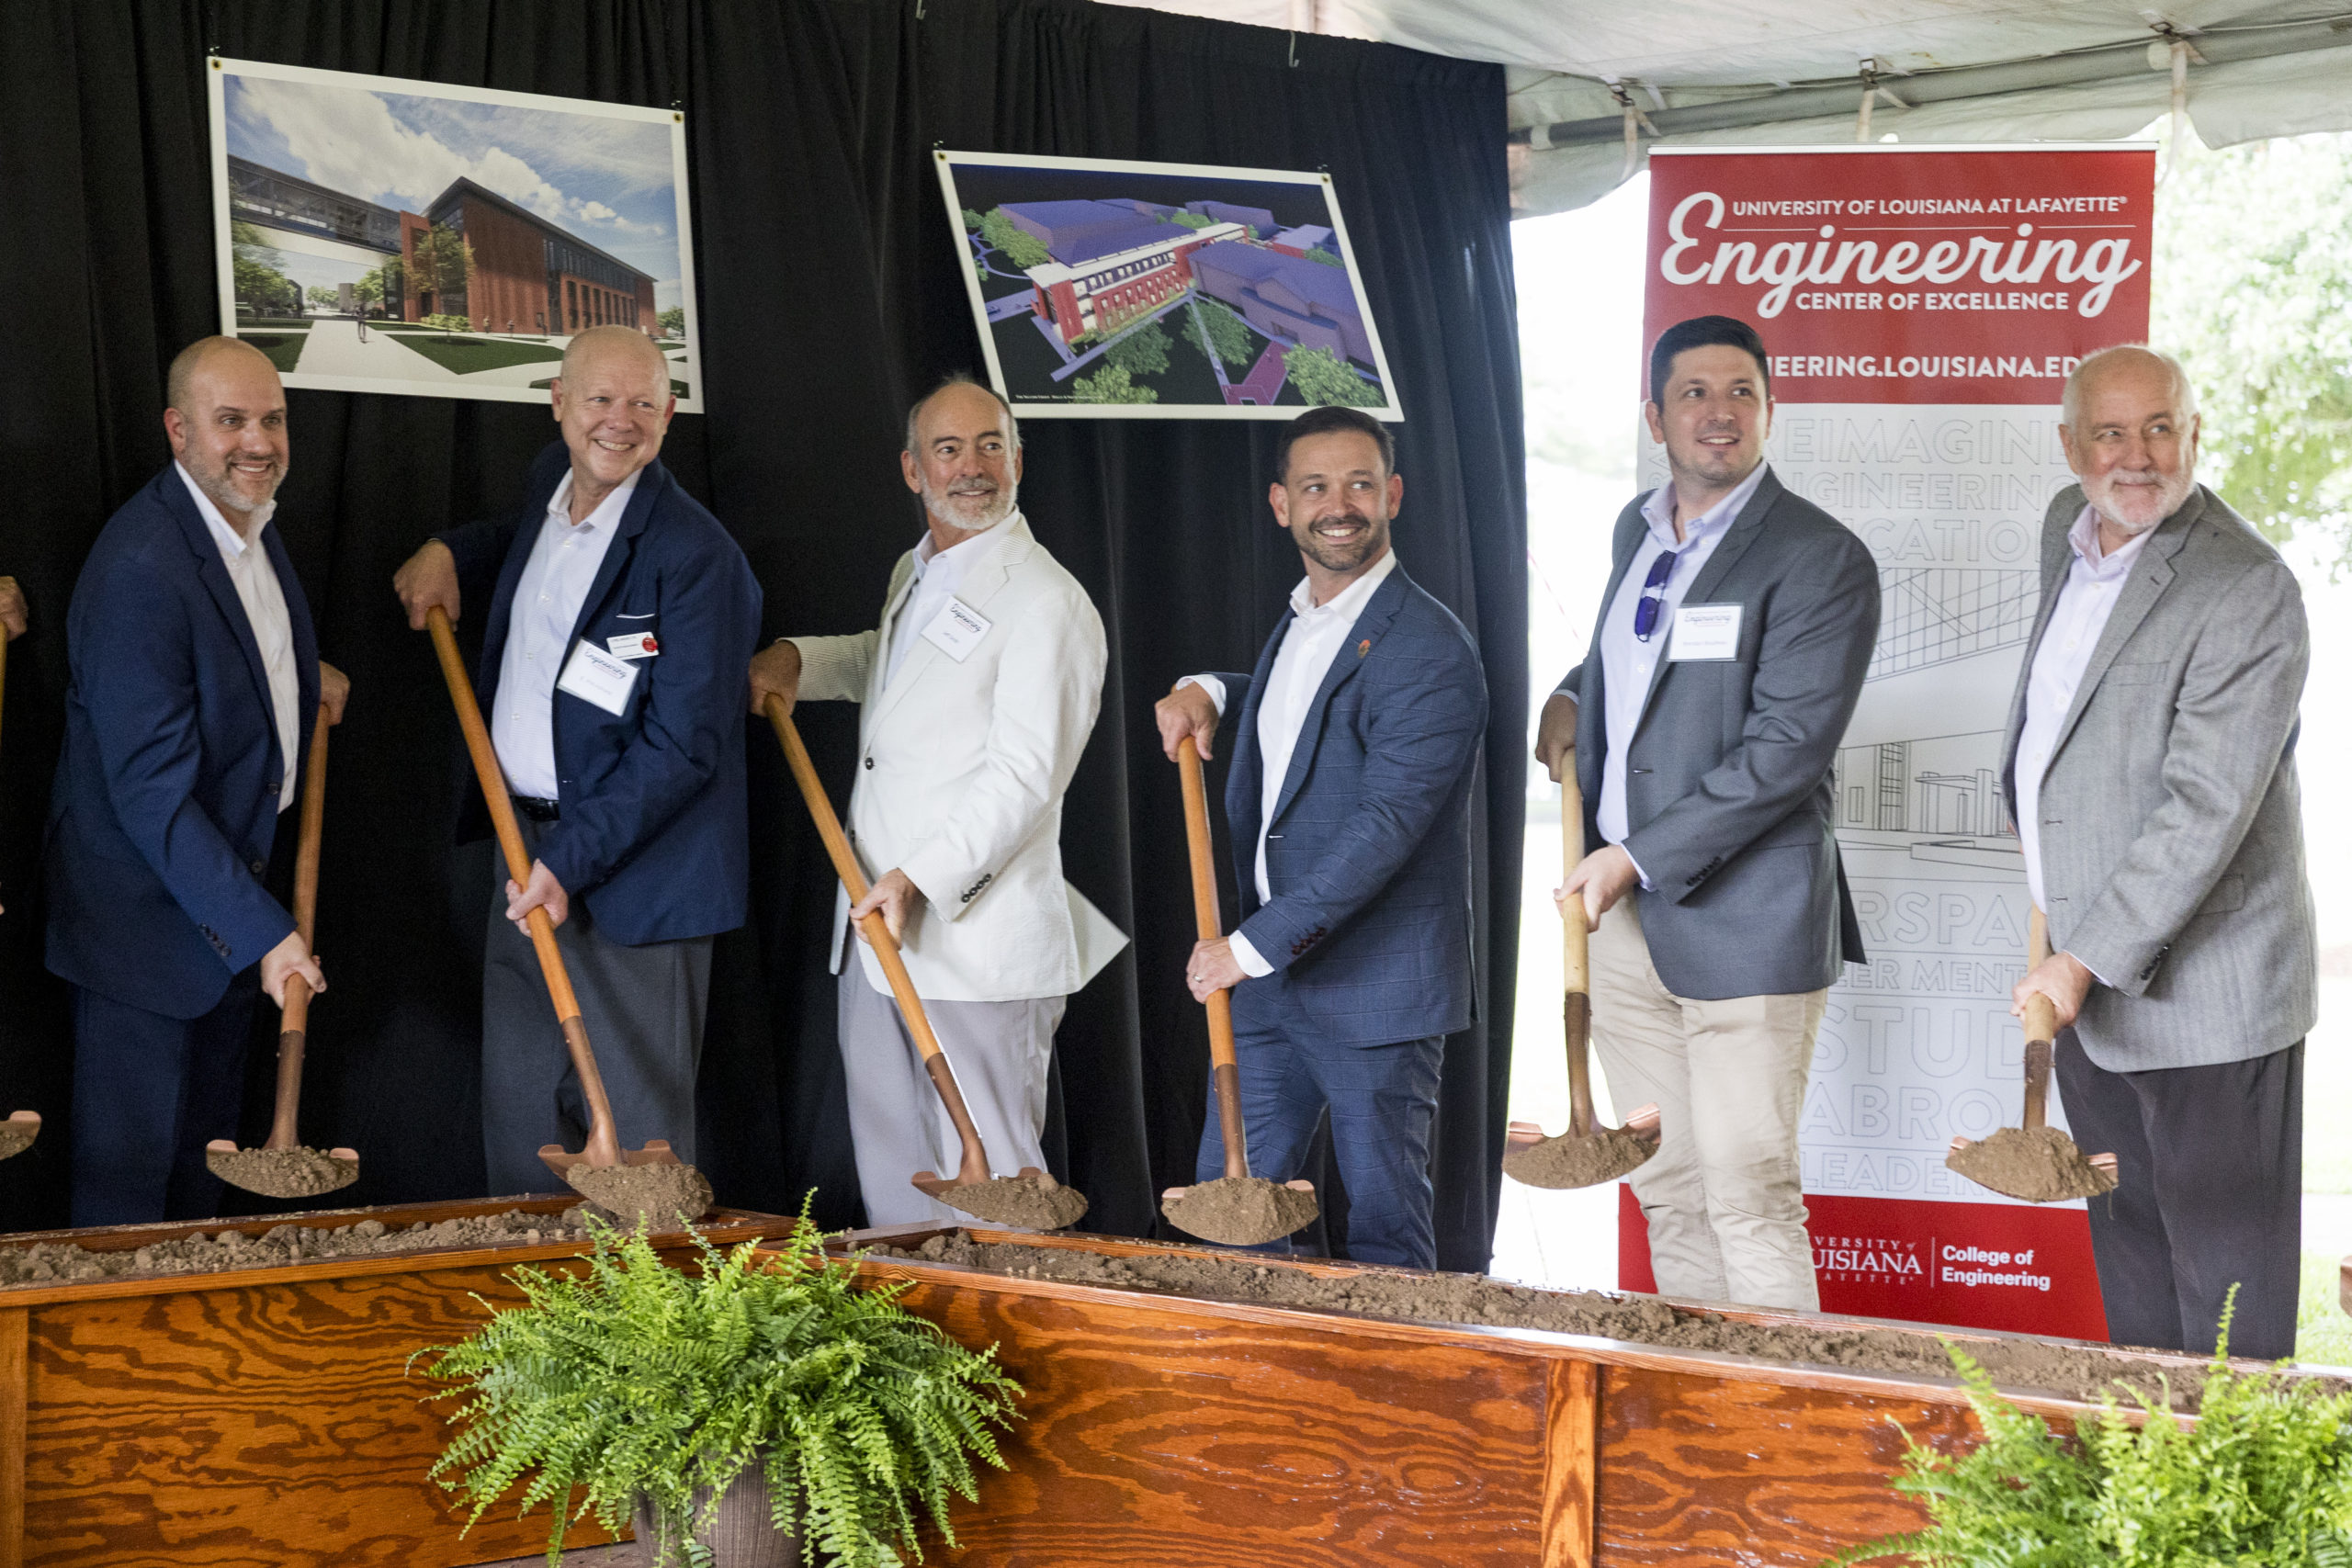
(382, 235)
(1107, 290)
(1921, 308)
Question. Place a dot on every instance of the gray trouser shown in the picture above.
(897, 1122)
(643, 1007)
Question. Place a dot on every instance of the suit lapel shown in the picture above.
(651, 482)
(982, 581)
(1744, 530)
(1245, 785)
(213, 572)
(2150, 577)
(1370, 622)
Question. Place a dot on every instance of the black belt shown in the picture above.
(538, 810)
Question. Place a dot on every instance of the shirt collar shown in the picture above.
(2082, 539)
(927, 548)
(607, 512)
(1348, 600)
(1657, 511)
(229, 539)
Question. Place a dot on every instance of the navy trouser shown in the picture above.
(148, 1093)
(1382, 1100)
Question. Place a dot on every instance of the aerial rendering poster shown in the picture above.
(1110, 290)
(381, 235)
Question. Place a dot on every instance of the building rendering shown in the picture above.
(1110, 262)
(1286, 296)
(1305, 238)
(1257, 218)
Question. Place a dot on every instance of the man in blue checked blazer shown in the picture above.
(1349, 802)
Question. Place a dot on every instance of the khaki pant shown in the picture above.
(1721, 1195)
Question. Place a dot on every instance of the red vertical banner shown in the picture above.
(1921, 309)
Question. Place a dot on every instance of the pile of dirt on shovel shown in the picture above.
(62, 1263)
(2040, 1165)
(2070, 1372)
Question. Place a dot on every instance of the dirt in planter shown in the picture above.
(658, 1196)
(62, 1263)
(282, 1173)
(1564, 1162)
(2067, 1371)
(2040, 1165)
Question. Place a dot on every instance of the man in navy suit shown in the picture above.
(194, 677)
(1349, 802)
(622, 618)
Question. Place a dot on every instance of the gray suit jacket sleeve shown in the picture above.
(1811, 654)
(2236, 709)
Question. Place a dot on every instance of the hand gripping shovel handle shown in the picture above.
(1223, 1070)
(975, 1166)
(603, 1141)
(2040, 1028)
(294, 1016)
(1576, 968)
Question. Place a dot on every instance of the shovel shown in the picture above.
(648, 1186)
(1586, 1154)
(1237, 1208)
(2035, 1163)
(18, 1132)
(283, 1167)
(1032, 1199)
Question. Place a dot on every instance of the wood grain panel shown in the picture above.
(13, 1329)
(1571, 1463)
(1169, 1439)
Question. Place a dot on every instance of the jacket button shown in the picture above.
(257, 867)
(869, 764)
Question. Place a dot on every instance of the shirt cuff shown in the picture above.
(2094, 974)
(1215, 689)
(1244, 955)
(1647, 885)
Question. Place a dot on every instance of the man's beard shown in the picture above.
(223, 493)
(938, 504)
(2170, 494)
(1335, 557)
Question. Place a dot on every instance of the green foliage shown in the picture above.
(1322, 377)
(638, 1378)
(258, 270)
(1112, 384)
(1191, 220)
(971, 219)
(322, 296)
(1143, 352)
(1318, 254)
(672, 321)
(2253, 283)
(1229, 332)
(2263, 1479)
(1024, 249)
(446, 323)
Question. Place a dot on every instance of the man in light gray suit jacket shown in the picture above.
(1729, 654)
(2151, 771)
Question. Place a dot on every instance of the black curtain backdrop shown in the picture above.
(830, 293)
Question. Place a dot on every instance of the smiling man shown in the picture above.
(620, 614)
(1349, 804)
(977, 692)
(2151, 771)
(195, 680)
(1727, 657)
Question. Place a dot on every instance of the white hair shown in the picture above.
(2070, 403)
(1012, 426)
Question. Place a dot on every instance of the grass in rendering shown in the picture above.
(467, 355)
(283, 348)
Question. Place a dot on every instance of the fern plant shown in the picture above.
(2263, 1479)
(638, 1379)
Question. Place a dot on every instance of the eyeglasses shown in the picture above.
(1653, 594)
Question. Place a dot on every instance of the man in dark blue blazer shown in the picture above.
(194, 679)
(1349, 804)
(622, 617)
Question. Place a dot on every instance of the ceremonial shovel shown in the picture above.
(18, 1132)
(1586, 1154)
(2036, 1163)
(282, 1167)
(1237, 1208)
(1032, 1199)
(649, 1186)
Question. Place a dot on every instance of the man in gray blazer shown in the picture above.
(2151, 771)
(1726, 661)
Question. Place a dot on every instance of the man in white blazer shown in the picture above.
(981, 687)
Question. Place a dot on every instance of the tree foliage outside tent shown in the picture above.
(1322, 377)
(1024, 249)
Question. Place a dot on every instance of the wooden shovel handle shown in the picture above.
(294, 1016)
(1576, 965)
(1225, 1071)
(2040, 1028)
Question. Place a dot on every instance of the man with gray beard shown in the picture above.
(2151, 771)
(981, 687)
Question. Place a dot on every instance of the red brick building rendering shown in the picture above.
(526, 275)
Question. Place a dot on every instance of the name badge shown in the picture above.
(956, 630)
(594, 676)
(633, 645)
(1705, 631)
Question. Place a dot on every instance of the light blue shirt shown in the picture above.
(1627, 662)
(555, 583)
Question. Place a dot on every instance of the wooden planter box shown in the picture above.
(256, 1417)
(1190, 1433)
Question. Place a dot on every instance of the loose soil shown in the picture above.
(2040, 1165)
(16, 1137)
(1023, 1202)
(1569, 1161)
(661, 1197)
(283, 1173)
(2068, 1370)
(1239, 1210)
(59, 1262)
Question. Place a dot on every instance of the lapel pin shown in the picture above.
(1363, 648)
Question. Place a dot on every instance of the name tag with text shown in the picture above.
(1705, 631)
(956, 630)
(595, 676)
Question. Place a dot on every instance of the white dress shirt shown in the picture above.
(264, 598)
(1626, 662)
(938, 573)
(554, 585)
(1317, 632)
(2094, 582)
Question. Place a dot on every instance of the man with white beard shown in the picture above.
(2151, 771)
(981, 687)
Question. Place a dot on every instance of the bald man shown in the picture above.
(194, 683)
(619, 617)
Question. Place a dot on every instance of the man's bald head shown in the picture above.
(2132, 359)
(226, 420)
(179, 381)
(613, 403)
(627, 343)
